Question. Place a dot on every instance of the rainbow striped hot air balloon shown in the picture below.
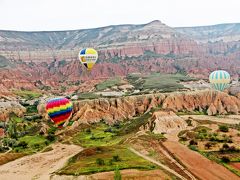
(59, 110)
(219, 79)
(88, 57)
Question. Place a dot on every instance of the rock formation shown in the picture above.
(6, 108)
(164, 122)
(118, 109)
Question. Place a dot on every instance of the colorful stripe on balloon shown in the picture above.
(59, 110)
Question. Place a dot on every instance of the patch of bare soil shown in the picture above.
(236, 165)
(126, 175)
(198, 164)
(40, 165)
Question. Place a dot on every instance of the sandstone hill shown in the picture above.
(118, 109)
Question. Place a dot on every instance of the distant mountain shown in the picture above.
(33, 59)
(220, 32)
(98, 37)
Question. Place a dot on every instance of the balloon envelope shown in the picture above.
(59, 110)
(88, 57)
(219, 79)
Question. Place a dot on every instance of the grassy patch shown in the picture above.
(100, 159)
(98, 135)
(162, 82)
(30, 144)
(108, 83)
(134, 124)
(27, 94)
(88, 95)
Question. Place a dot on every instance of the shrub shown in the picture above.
(100, 161)
(88, 131)
(225, 159)
(110, 162)
(189, 122)
(193, 142)
(92, 137)
(223, 128)
(116, 158)
(108, 130)
(51, 137)
(194, 148)
(208, 145)
(225, 146)
(22, 144)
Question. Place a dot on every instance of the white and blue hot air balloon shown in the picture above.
(219, 80)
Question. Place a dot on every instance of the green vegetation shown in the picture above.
(99, 135)
(117, 174)
(108, 83)
(88, 95)
(180, 113)
(157, 81)
(27, 94)
(223, 128)
(133, 125)
(30, 144)
(100, 159)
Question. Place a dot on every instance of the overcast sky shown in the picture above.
(80, 14)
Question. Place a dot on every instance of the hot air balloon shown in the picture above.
(88, 57)
(219, 79)
(59, 110)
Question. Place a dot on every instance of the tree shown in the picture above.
(208, 145)
(23, 144)
(223, 128)
(193, 142)
(100, 161)
(117, 174)
(225, 146)
(116, 158)
(225, 159)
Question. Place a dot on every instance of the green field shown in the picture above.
(111, 157)
(157, 81)
(27, 94)
(98, 135)
(31, 144)
(108, 83)
(88, 95)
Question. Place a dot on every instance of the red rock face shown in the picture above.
(117, 109)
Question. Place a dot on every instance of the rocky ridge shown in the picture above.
(118, 109)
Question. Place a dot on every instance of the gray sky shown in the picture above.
(78, 14)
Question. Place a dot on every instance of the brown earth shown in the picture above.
(40, 165)
(235, 165)
(197, 164)
(126, 175)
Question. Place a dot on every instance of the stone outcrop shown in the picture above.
(6, 108)
(118, 109)
(164, 122)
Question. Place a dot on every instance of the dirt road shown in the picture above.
(40, 165)
(231, 119)
(197, 164)
(158, 163)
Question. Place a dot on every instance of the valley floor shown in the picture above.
(40, 165)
